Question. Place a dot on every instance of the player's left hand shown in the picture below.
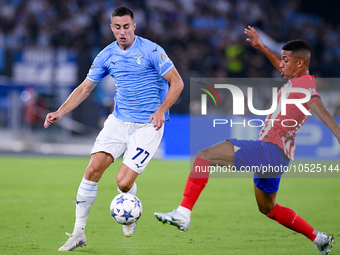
(254, 39)
(158, 119)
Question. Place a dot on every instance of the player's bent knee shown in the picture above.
(124, 185)
(123, 189)
(93, 174)
(221, 154)
(204, 154)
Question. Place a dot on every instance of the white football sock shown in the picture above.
(184, 211)
(317, 238)
(132, 191)
(87, 193)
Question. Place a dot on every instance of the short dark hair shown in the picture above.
(122, 11)
(296, 45)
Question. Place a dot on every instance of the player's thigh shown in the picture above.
(221, 154)
(141, 147)
(99, 162)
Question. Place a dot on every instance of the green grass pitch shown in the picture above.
(37, 201)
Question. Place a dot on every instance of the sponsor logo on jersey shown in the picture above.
(164, 60)
(163, 57)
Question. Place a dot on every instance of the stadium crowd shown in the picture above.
(204, 38)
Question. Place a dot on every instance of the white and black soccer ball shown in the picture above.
(126, 208)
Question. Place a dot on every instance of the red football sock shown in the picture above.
(196, 182)
(288, 218)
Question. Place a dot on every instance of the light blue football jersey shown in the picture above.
(137, 71)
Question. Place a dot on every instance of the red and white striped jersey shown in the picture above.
(281, 129)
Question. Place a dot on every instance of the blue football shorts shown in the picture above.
(267, 161)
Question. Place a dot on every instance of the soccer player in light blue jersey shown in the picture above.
(142, 72)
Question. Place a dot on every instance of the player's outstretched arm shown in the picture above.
(319, 110)
(77, 96)
(176, 87)
(257, 43)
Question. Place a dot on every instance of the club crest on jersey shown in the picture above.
(138, 59)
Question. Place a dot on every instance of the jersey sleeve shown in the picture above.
(161, 61)
(97, 70)
(308, 83)
(314, 96)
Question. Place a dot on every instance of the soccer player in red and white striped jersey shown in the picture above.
(280, 127)
(275, 146)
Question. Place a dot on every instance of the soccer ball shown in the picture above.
(126, 208)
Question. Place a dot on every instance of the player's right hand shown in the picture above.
(51, 118)
(254, 39)
(158, 119)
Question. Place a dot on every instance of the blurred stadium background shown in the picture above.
(47, 47)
